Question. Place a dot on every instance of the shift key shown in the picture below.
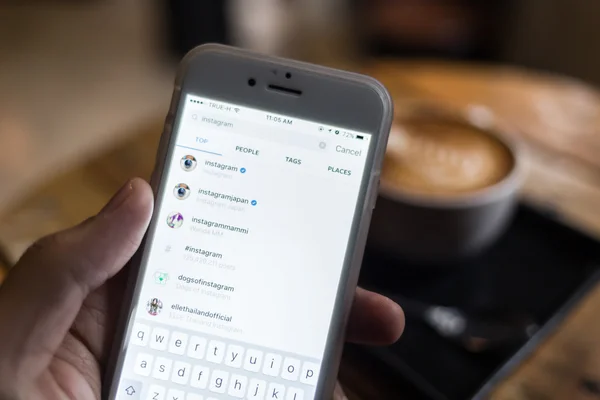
(129, 390)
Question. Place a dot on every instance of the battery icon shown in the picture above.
(360, 137)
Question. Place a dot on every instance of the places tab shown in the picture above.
(339, 170)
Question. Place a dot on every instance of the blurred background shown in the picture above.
(78, 77)
(85, 85)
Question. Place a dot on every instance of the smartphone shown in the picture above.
(266, 177)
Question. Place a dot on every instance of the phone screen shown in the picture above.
(243, 266)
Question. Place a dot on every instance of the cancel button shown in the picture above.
(341, 171)
(349, 151)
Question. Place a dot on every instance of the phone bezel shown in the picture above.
(330, 97)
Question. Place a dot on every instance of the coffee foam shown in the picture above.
(444, 158)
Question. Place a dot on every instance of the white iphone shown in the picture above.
(266, 176)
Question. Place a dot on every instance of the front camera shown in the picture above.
(251, 82)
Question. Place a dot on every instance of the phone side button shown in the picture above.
(375, 194)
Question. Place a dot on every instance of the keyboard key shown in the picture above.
(159, 339)
(162, 368)
(175, 394)
(221, 382)
(197, 347)
(234, 356)
(181, 373)
(156, 392)
(215, 352)
(140, 334)
(237, 386)
(129, 390)
(253, 360)
(143, 364)
(275, 391)
(291, 369)
(199, 378)
(310, 373)
(272, 364)
(218, 381)
(178, 343)
(294, 394)
(256, 389)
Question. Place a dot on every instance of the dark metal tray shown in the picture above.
(539, 268)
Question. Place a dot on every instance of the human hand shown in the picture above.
(60, 303)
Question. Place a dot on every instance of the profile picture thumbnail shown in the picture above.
(175, 220)
(188, 163)
(181, 191)
(154, 306)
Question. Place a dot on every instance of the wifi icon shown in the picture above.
(237, 110)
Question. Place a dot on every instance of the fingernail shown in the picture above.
(119, 198)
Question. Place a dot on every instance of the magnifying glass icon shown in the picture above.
(194, 116)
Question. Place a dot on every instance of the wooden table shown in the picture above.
(557, 122)
(555, 119)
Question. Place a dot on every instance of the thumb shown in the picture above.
(44, 291)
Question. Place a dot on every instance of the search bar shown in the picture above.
(250, 129)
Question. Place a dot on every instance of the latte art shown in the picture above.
(444, 158)
(439, 161)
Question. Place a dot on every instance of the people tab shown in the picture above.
(247, 150)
